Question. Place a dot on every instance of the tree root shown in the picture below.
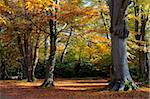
(47, 84)
(122, 86)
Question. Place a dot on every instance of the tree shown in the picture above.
(66, 45)
(141, 12)
(26, 27)
(121, 78)
(49, 76)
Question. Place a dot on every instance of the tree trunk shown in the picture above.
(45, 49)
(30, 59)
(147, 38)
(3, 74)
(140, 36)
(142, 45)
(22, 60)
(36, 56)
(49, 77)
(136, 12)
(121, 79)
(136, 24)
(0, 68)
(148, 55)
(27, 57)
(65, 49)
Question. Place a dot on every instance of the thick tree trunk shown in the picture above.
(65, 49)
(49, 77)
(120, 75)
(121, 79)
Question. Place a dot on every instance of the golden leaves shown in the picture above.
(71, 13)
(4, 8)
(20, 3)
(34, 6)
(2, 20)
(38, 6)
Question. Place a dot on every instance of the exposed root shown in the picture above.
(122, 86)
(47, 84)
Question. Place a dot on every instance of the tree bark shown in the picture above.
(28, 55)
(121, 78)
(26, 51)
(142, 45)
(45, 49)
(148, 54)
(3, 74)
(36, 56)
(65, 49)
(140, 36)
(136, 24)
(49, 77)
(22, 60)
(136, 12)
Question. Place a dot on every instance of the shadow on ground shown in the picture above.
(66, 89)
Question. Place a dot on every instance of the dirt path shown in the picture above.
(66, 89)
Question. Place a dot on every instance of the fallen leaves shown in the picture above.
(67, 89)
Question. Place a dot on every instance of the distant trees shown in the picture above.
(141, 21)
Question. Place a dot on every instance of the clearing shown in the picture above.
(86, 88)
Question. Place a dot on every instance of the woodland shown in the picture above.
(74, 49)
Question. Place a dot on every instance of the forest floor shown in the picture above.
(67, 89)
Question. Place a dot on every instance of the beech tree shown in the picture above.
(49, 76)
(121, 78)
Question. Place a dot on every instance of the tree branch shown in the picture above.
(62, 28)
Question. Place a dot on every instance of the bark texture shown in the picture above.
(66, 45)
(143, 70)
(29, 55)
(121, 78)
(148, 54)
(36, 56)
(45, 50)
(22, 54)
(49, 77)
(140, 29)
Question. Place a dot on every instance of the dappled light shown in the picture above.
(81, 84)
(74, 49)
(66, 89)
